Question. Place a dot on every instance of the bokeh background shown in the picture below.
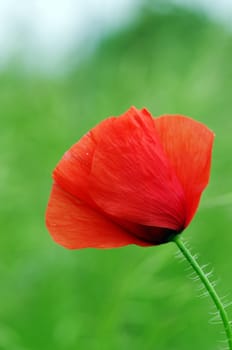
(64, 66)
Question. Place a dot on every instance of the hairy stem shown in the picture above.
(209, 287)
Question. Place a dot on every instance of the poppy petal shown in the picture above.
(131, 177)
(73, 224)
(73, 170)
(188, 146)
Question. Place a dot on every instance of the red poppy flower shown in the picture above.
(132, 179)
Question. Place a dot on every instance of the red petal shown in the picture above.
(75, 225)
(188, 146)
(131, 178)
(73, 170)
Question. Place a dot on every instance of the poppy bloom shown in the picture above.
(132, 179)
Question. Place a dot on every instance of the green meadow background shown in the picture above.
(174, 61)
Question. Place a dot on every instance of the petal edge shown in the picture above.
(188, 146)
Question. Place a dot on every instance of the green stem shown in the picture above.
(208, 285)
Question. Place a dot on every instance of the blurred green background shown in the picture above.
(172, 61)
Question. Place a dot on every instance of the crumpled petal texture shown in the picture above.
(72, 221)
(132, 179)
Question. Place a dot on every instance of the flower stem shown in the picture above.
(209, 287)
